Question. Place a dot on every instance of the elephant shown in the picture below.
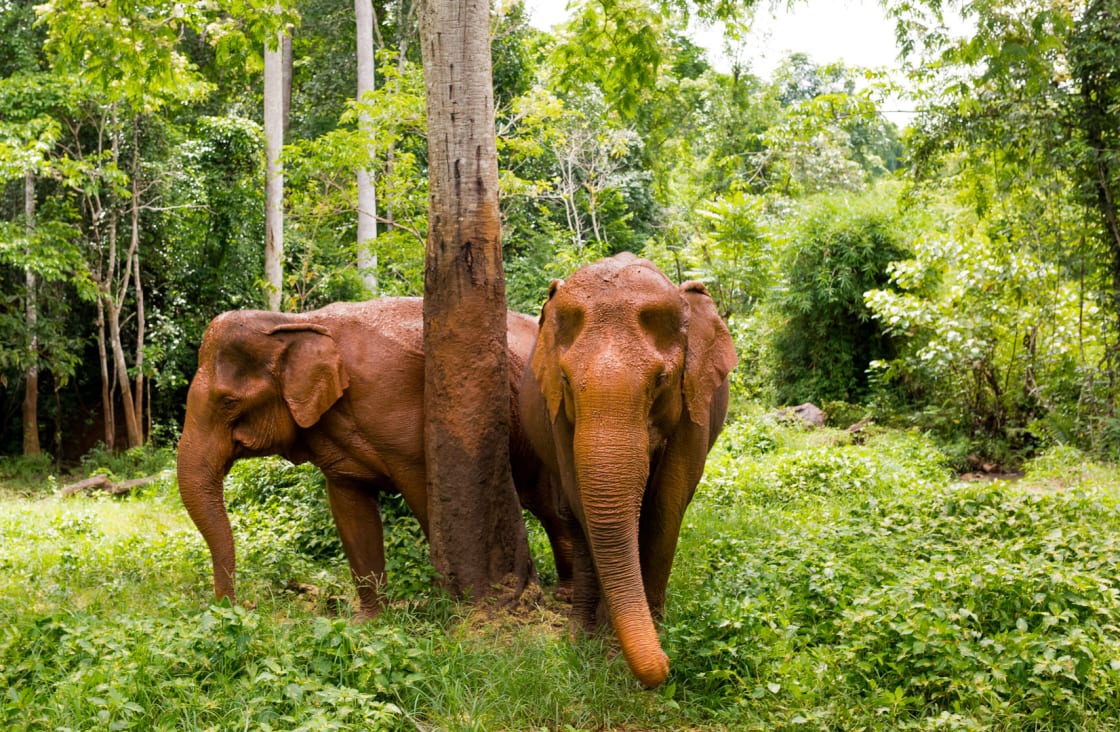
(626, 391)
(341, 387)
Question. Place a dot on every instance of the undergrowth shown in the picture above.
(822, 582)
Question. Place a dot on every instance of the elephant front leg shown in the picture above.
(357, 514)
(670, 490)
(586, 594)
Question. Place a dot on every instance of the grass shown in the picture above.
(821, 584)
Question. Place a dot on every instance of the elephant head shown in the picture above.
(262, 376)
(629, 384)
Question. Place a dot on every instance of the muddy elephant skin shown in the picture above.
(626, 391)
(343, 388)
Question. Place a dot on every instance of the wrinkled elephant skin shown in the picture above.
(342, 388)
(626, 392)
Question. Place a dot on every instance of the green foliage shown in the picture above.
(321, 190)
(858, 584)
(226, 666)
(1030, 88)
(820, 582)
(26, 473)
(138, 59)
(614, 44)
(839, 249)
(136, 462)
(285, 528)
(731, 254)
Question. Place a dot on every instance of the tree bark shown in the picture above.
(31, 373)
(274, 172)
(478, 539)
(103, 359)
(367, 193)
(134, 263)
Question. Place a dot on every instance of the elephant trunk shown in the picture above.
(201, 471)
(612, 467)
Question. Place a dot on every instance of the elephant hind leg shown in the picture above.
(357, 514)
(587, 598)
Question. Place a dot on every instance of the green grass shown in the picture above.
(820, 584)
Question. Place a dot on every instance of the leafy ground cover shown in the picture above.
(823, 582)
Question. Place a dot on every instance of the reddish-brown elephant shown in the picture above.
(626, 391)
(342, 388)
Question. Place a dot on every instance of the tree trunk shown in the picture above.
(478, 539)
(367, 193)
(103, 359)
(121, 367)
(31, 373)
(274, 173)
(134, 262)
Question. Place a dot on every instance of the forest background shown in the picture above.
(962, 275)
(957, 282)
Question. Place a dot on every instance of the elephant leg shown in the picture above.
(543, 502)
(357, 514)
(670, 489)
(586, 593)
(412, 482)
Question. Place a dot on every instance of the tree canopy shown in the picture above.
(965, 269)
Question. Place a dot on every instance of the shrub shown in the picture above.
(840, 249)
(284, 524)
(857, 583)
(228, 667)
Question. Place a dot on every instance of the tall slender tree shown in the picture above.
(274, 172)
(367, 193)
(477, 534)
(31, 373)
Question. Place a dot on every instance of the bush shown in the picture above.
(226, 668)
(839, 250)
(284, 525)
(856, 583)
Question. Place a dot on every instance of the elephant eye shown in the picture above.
(662, 378)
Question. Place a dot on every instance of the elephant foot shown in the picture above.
(564, 592)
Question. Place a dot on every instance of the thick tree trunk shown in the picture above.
(367, 193)
(274, 173)
(31, 373)
(477, 534)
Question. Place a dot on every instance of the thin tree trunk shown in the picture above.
(478, 538)
(119, 365)
(103, 359)
(274, 173)
(289, 63)
(134, 262)
(31, 373)
(367, 192)
(115, 302)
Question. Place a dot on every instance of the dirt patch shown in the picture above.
(536, 608)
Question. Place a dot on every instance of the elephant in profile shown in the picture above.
(343, 388)
(626, 392)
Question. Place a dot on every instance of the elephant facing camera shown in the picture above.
(626, 391)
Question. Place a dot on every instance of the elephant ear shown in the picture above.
(544, 363)
(311, 371)
(711, 352)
